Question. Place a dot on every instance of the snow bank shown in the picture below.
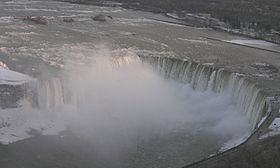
(21, 123)
(9, 77)
(274, 127)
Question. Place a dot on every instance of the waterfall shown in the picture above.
(51, 93)
(246, 95)
(56, 92)
(15, 88)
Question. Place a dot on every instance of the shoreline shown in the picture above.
(196, 23)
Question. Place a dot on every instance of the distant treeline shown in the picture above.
(259, 15)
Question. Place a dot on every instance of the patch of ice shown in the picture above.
(22, 2)
(240, 74)
(262, 120)
(79, 11)
(111, 3)
(17, 27)
(173, 15)
(35, 9)
(263, 75)
(209, 64)
(5, 19)
(155, 42)
(151, 53)
(2, 65)
(80, 31)
(4, 50)
(167, 23)
(234, 142)
(131, 22)
(21, 123)
(275, 125)
(253, 42)
(261, 64)
(12, 77)
(20, 33)
(126, 33)
(195, 41)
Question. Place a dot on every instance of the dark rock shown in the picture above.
(36, 19)
(110, 17)
(68, 19)
(4, 124)
(100, 18)
(10, 95)
(34, 132)
(15, 87)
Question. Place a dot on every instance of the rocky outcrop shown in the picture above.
(10, 95)
(102, 18)
(36, 19)
(68, 19)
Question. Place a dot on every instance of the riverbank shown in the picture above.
(265, 29)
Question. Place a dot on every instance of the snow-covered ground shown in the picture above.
(12, 78)
(25, 122)
(274, 127)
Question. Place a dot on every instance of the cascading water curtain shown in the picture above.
(247, 96)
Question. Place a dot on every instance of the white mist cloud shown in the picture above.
(118, 108)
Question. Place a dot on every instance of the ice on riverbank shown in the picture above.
(259, 43)
(21, 123)
(9, 77)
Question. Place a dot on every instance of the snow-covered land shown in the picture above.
(274, 127)
(9, 77)
(24, 122)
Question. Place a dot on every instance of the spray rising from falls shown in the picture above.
(246, 95)
(128, 111)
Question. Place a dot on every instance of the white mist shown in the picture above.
(118, 108)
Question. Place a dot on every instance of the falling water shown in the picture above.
(247, 96)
